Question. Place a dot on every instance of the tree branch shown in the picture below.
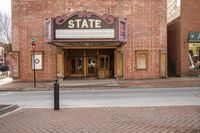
(5, 28)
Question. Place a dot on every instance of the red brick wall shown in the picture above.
(28, 20)
(146, 31)
(173, 47)
(190, 21)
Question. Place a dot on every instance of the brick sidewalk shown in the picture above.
(161, 83)
(104, 120)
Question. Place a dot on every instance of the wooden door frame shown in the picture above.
(105, 69)
(165, 72)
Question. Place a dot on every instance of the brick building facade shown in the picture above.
(142, 56)
(183, 19)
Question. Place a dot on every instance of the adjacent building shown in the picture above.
(89, 38)
(183, 37)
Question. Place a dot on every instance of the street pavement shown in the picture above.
(106, 98)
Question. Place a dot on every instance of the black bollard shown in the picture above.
(56, 95)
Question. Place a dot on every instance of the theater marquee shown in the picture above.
(86, 26)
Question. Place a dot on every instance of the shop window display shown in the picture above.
(194, 52)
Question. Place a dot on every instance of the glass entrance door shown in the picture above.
(104, 66)
(91, 66)
(77, 65)
(89, 63)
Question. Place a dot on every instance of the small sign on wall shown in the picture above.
(37, 59)
(193, 37)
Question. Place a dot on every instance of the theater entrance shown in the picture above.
(97, 63)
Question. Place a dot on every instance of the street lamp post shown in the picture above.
(33, 48)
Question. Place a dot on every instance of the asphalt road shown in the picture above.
(106, 98)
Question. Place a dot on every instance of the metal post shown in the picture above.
(34, 68)
(33, 47)
(56, 95)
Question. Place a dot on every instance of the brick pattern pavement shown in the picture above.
(104, 120)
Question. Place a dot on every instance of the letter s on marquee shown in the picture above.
(71, 24)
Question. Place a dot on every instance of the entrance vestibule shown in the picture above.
(89, 63)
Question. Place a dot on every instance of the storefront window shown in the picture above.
(194, 52)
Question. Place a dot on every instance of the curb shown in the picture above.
(8, 108)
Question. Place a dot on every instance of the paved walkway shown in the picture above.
(102, 84)
(185, 119)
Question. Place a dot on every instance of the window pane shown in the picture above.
(194, 52)
(101, 62)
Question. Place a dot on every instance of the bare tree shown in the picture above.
(5, 28)
(5, 35)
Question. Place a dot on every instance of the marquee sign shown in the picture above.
(85, 27)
